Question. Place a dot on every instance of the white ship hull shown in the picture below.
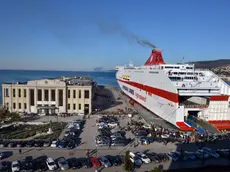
(154, 90)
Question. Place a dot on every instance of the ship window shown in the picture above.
(168, 67)
(177, 67)
(175, 73)
(182, 73)
(189, 73)
(189, 67)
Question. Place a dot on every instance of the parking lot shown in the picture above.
(88, 132)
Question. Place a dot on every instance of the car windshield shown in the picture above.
(51, 163)
(15, 165)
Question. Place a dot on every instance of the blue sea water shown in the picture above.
(8, 76)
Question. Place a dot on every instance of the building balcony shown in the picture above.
(46, 103)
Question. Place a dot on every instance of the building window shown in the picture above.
(86, 94)
(74, 94)
(53, 98)
(68, 106)
(6, 92)
(19, 106)
(79, 107)
(79, 94)
(46, 95)
(60, 97)
(14, 105)
(68, 93)
(32, 97)
(19, 92)
(74, 106)
(25, 106)
(24, 92)
(39, 95)
(13, 92)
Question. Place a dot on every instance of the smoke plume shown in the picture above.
(111, 28)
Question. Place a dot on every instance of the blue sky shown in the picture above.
(64, 35)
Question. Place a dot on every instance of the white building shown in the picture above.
(61, 95)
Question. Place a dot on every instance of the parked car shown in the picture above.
(40, 165)
(211, 152)
(27, 164)
(54, 144)
(51, 164)
(74, 163)
(86, 162)
(95, 161)
(143, 157)
(201, 154)
(70, 144)
(174, 156)
(3, 155)
(47, 143)
(63, 164)
(104, 161)
(114, 160)
(30, 143)
(15, 166)
(5, 166)
(61, 144)
(135, 159)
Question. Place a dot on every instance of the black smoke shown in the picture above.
(113, 28)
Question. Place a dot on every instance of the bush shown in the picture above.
(128, 166)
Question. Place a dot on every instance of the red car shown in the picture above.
(96, 163)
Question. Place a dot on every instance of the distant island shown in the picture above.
(98, 69)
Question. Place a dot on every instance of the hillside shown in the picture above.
(212, 63)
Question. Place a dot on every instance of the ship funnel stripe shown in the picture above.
(156, 91)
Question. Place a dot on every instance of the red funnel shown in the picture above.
(155, 59)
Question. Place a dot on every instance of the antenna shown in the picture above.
(182, 61)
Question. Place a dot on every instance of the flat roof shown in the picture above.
(69, 80)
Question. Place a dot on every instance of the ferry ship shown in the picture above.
(178, 93)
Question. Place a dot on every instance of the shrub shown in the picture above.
(128, 166)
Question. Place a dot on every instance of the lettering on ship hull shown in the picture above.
(138, 96)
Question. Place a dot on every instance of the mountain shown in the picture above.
(98, 69)
(212, 63)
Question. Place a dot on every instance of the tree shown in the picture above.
(156, 169)
(14, 116)
(3, 114)
(128, 166)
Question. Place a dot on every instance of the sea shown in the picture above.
(9, 76)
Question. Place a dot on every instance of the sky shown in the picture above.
(84, 34)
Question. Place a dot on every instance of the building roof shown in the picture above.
(64, 80)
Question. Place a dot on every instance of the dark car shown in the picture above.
(71, 144)
(62, 144)
(163, 157)
(46, 143)
(4, 144)
(27, 164)
(154, 157)
(86, 163)
(38, 143)
(40, 165)
(12, 144)
(20, 144)
(3, 155)
(74, 163)
(115, 160)
(141, 133)
(5, 166)
(30, 143)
